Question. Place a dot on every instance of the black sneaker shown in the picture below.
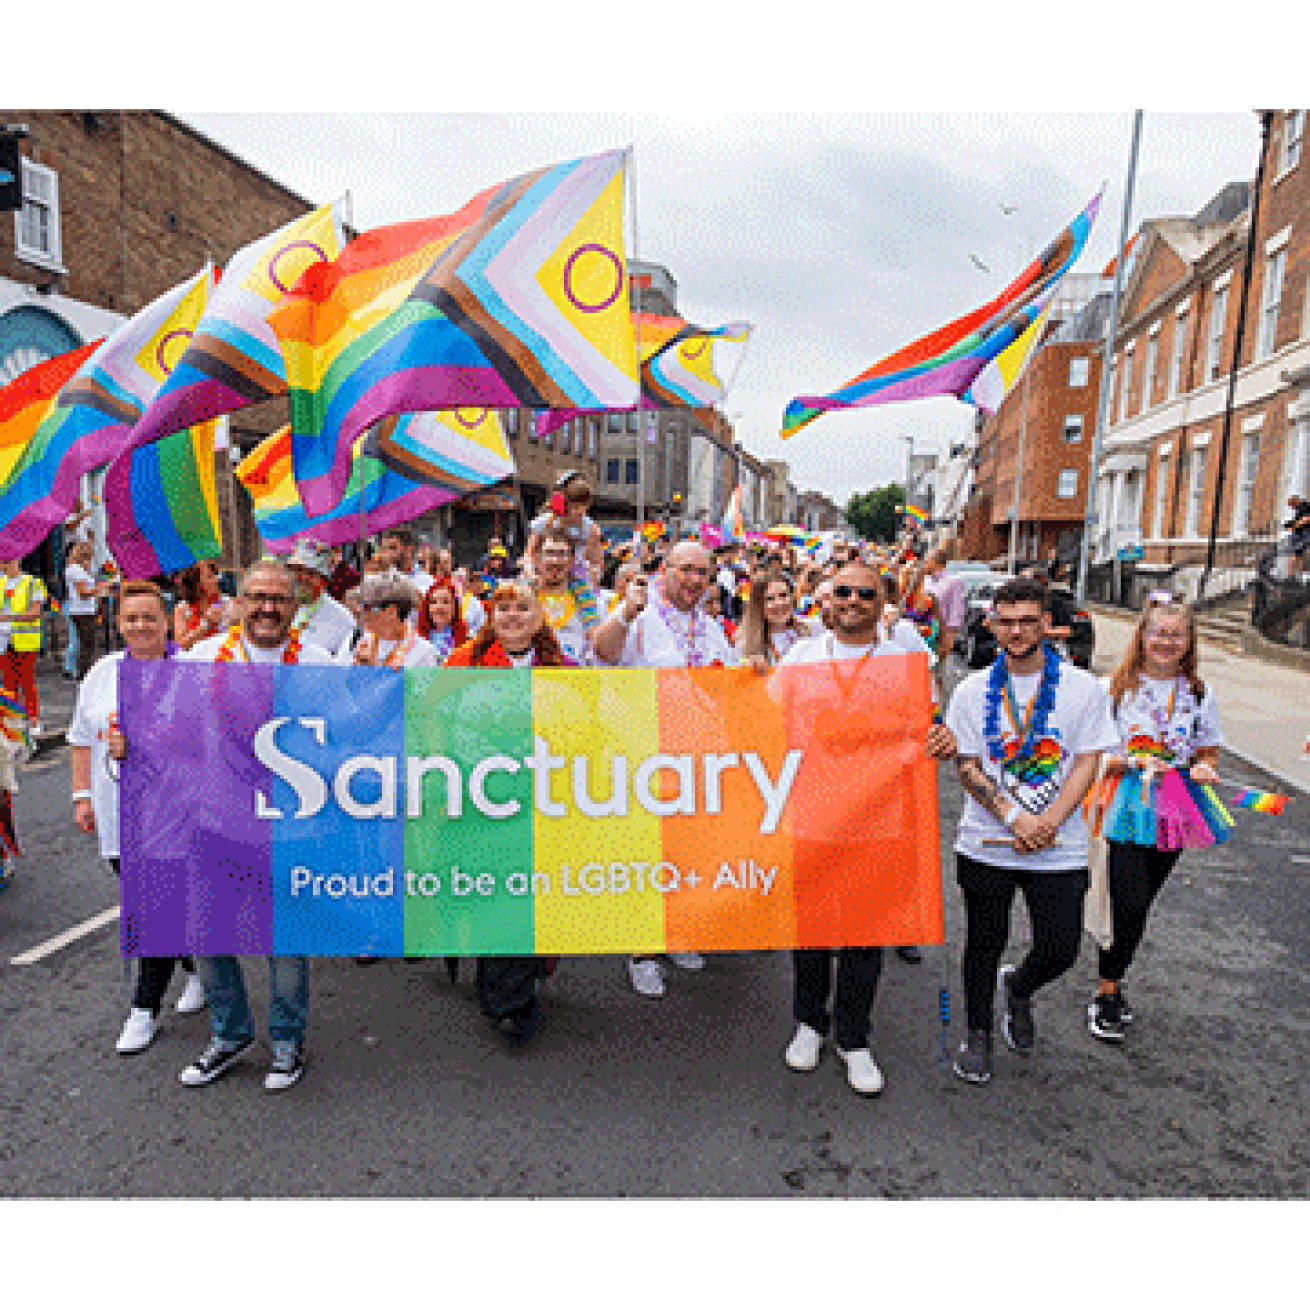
(1105, 1017)
(1017, 1022)
(910, 954)
(973, 1061)
(218, 1058)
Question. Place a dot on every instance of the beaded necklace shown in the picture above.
(1032, 728)
(692, 638)
(234, 642)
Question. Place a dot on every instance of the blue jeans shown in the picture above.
(229, 1006)
(70, 655)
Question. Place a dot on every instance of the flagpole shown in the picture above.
(1090, 517)
(636, 335)
(1018, 472)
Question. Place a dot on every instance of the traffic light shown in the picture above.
(11, 174)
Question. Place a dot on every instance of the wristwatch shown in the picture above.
(80, 796)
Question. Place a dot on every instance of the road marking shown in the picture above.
(1301, 859)
(94, 924)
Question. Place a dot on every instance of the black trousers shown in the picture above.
(858, 971)
(1136, 874)
(86, 642)
(1055, 913)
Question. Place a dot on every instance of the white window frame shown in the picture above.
(1214, 345)
(1148, 370)
(1080, 371)
(1074, 421)
(1161, 507)
(1293, 133)
(1066, 485)
(1195, 486)
(1125, 383)
(40, 188)
(1246, 472)
(1271, 299)
(1177, 350)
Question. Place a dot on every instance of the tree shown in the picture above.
(877, 514)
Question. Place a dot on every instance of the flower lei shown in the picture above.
(233, 642)
(1000, 688)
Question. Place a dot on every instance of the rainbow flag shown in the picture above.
(990, 388)
(93, 416)
(1262, 802)
(519, 299)
(733, 527)
(233, 358)
(686, 371)
(947, 361)
(402, 468)
(27, 401)
(333, 811)
(916, 515)
(161, 504)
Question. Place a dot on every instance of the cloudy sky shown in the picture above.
(840, 236)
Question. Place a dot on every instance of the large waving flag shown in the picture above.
(1000, 376)
(27, 401)
(234, 359)
(947, 361)
(687, 370)
(519, 299)
(93, 417)
(161, 504)
(404, 467)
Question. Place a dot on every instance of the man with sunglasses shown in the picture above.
(857, 631)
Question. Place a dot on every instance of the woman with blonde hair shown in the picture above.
(770, 626)
(1155, 798)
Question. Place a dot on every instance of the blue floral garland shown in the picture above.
(998, 683)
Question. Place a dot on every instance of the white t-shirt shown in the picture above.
(205, 652)
(422, 654)
(97, 701)
(75, 575)
(1164, 719)
(1079, 724)
(652, 644)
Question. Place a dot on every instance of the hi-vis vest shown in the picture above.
(19, 594)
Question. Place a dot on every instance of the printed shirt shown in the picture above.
(561, 611)
(1080, 722)
(1147, 726)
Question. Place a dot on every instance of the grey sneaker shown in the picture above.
(973, 1061)
(1017, 1023)
(286, 1067)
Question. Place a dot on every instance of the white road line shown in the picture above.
(58, 943)
(1300, 859)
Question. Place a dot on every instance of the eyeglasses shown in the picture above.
(843, 592)
(259, 599)
(1015, 623)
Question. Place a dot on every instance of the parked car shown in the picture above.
(976, 644)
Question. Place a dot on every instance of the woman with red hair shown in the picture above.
(440, 620)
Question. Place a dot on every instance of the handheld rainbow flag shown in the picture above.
(732, 527)
(92, 419)
(947, 361)
(916, 515)
(519, 299)
(1262, 802)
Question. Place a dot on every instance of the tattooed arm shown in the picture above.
(981, 787)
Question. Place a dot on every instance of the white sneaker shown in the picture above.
(647, 977)
(805, 1050)
(138, 1032)
(863, 1075)
(193, 995)
(688, 960)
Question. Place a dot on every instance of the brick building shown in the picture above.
(1031, 457)
(1158, 486)
(118, 208)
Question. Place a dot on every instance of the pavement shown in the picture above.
(408, 1095)
(1264, 707)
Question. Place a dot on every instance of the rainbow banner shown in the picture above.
(335, 811)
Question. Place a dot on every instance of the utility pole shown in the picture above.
(1103, 396)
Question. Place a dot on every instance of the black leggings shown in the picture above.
(155, 972)
(1136, 875)
(1055, 914)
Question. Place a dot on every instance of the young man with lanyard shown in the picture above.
(1031, 730)
(22, 597)
(857, 633)
(559, 604)
(661, 626)
(266, 635)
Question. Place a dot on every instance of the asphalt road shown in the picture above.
(407, 1094)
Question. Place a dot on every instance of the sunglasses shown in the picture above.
(843, 592)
